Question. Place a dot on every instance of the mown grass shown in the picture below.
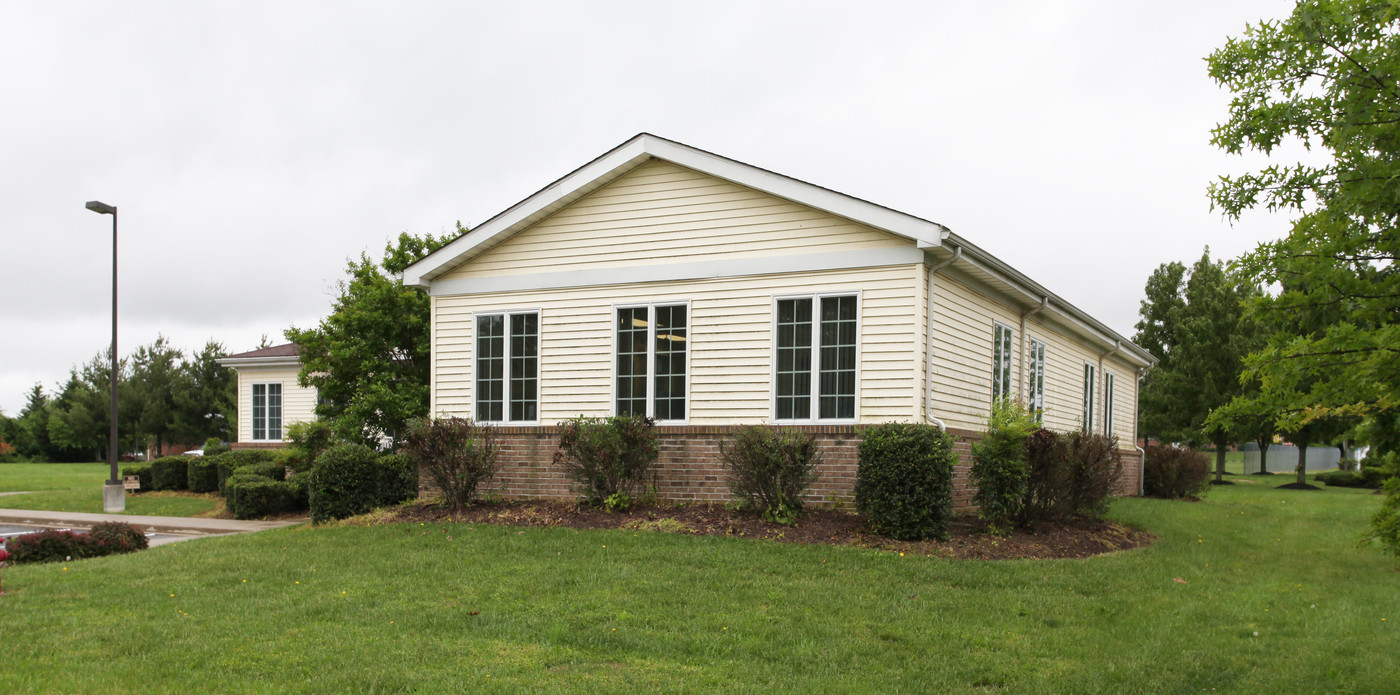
(77, 487)
(455, 607)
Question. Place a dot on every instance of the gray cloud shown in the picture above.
(251, 148)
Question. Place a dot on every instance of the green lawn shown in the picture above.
(77, 487)
(1274, 596)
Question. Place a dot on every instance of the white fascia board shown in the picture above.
(236, 362)
(630, 154)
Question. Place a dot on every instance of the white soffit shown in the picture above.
(633, 153)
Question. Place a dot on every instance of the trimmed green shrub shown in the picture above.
(398, 479)
(299, 486)
(770, 468)
(213, 447)
(1385, 525)
(1372, 478)
(1096, 469)
(170, 473)
(1174, 472)
(1049, 478)
(1348, 465)
(999, 468)
(231, 461)
(611, 458)
(253, 496)
(266, 470)
(456, 454)
(51, 545)
(350, 479)
(309, 439)
(904, 483)
(203, 475)
(142, 473)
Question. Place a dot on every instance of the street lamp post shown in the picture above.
(113, 493)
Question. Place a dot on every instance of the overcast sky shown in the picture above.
(252, 147)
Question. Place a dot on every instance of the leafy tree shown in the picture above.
(1327, 76)
(369, 358)
(78, 419)
(1204, 336)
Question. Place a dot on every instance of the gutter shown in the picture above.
(928, 357)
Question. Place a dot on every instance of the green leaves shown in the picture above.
(369, 358)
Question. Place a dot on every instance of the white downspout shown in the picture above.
(1021, 373)
(928, 358)
(1142, 455)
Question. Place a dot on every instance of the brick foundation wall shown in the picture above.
(689, 468)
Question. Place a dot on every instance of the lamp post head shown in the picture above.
(101, 208)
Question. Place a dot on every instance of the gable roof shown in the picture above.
(937, 240)
(277, 355)
(628, 156)
(288, 350)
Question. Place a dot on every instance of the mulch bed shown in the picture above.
(968, 538)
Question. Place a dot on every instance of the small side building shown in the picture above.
(269, 398)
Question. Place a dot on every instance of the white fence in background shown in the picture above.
(1283, 458)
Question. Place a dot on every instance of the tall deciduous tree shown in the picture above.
(1327, 76)
(369, 358)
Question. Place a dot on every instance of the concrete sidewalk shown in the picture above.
(168, 524)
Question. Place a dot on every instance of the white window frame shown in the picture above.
(1035, 379)
(1001, 373)
(506, 371)
(1091, 387)
(253, 410)
(651, 356)
(815, 394)
(1108, 379)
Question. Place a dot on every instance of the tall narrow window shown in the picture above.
(1090, 386)
(651, 361)
(267, 412)
(829, 344)
(670, 345)
(838, 364)
(524, 367)
(1001, 361)
(794, 373)
(507, 367)
(1108, 403)
(1035, 373)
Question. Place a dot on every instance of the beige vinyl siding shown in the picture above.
(1124, 401)
(298, 404)
(963, 318)
(661, 212)
(1065, 356)
(730, 348)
